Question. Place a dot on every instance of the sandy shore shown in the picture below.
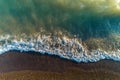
(34, 66)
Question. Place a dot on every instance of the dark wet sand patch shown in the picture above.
(30, 65)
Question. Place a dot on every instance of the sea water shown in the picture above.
(79, 30)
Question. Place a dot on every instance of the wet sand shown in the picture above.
(15, 65)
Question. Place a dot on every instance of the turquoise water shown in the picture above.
(91, 27)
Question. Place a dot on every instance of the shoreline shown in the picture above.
(12, 58)
(15, 63)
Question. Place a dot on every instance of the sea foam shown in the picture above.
(65, 47)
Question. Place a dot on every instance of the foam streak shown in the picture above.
(64, 47)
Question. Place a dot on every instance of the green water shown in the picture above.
(86, 19)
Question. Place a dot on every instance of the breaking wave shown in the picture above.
(65, 47)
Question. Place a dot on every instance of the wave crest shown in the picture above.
(65, 47)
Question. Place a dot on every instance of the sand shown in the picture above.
(15, 65)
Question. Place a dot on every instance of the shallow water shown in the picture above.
(81, 30)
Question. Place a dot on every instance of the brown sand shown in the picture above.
(30, 66)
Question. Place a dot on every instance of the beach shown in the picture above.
(59, 40)
(16, 65)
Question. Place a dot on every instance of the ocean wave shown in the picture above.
(65, 47)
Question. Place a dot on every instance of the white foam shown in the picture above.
(63, 47)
